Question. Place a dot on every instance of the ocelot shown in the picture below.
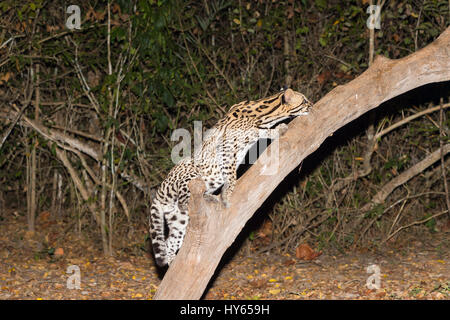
(223, 148)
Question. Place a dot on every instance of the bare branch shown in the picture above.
(85, 194)
(409, 119)
(414, 223)
(406, 175)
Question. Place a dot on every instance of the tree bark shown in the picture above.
(212, 230)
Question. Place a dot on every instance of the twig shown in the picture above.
(417, 28)
(196, 70)
(370, 133)
(412, 197)
(19, 114)
(287, 60)
(84, 84)
(348, 65)
(105, 147)
(405, 176)
(354, 176)
(397, 217)
(441, 143)
(71, 144)
(414, 223)
(432, 121)
(216, 66)
(269, 83)
(293, 235)
(61, 139)
(58, 35)
(12, 38)
(77, 181)
(33, 168)
(371, 40)
(410, 118)
(78, 132)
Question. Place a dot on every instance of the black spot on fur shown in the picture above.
(160, 262)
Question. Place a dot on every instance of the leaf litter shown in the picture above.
(412, 269)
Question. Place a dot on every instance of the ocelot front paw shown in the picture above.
(217, 199)
(282, 128)
(211, 198)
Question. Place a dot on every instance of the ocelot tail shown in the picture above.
(223, 148)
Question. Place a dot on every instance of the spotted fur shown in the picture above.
(224, 147)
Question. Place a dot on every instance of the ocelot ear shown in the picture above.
(293, 98)
(289, 95)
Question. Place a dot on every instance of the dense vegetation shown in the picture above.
(98, 105)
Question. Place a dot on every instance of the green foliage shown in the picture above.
(397, 163)
(192, 60)
(430, 224)
(376, 211)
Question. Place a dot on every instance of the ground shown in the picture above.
(416, 268)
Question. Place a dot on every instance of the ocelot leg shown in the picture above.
(177, 224)
(229, 175)
(157, 234)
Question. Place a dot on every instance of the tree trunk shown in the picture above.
(212, 230)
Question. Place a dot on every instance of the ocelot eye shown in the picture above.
(307, 102)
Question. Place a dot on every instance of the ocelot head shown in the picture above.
(269, 111)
